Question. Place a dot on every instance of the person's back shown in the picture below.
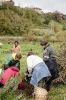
(37, 68)
(12, 60)
(49, 53)
(33, 60)
(49, 57)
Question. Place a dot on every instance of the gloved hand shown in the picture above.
(27, 75)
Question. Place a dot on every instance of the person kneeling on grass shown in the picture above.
(11, 68)
(12, 60)
(39, 70)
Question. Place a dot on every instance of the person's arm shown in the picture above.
(29, 65)
(12, 49)
(19, 49)
(45, 55)
(18, 64)
(6, 62)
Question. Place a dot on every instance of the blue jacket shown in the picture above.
(40, 71)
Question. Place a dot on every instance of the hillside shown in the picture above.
(16, 21)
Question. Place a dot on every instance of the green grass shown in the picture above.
(58, 91)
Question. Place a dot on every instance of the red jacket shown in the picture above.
(12, 71)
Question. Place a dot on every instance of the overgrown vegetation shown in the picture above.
(61, 60)
(15, 20)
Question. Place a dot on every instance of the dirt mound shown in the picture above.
(27, 90)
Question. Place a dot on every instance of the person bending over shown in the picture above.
(38, 70)
(12, 60)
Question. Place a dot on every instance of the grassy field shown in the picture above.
(57, 91)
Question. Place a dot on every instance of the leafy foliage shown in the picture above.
(61, 61)
(15, 20)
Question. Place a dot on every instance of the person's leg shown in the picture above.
(41, 83)
(48, 81)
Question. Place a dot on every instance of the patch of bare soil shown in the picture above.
(27, 90)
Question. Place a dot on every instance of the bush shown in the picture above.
(61, 61)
